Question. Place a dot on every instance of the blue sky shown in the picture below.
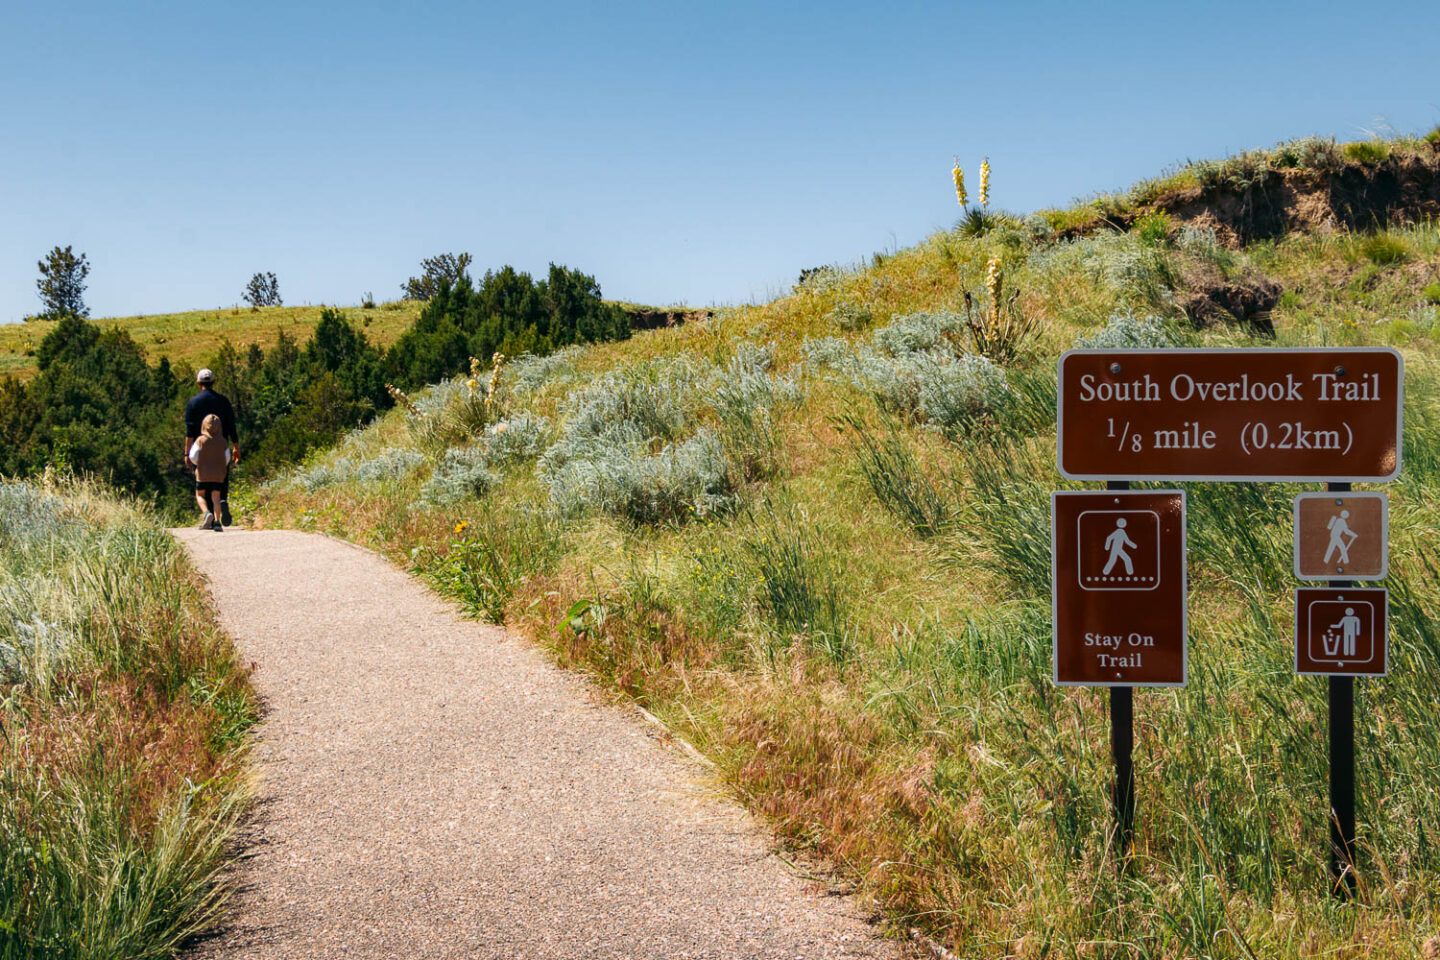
(680, 153)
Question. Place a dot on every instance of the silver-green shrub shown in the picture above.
(1124, 330)
(917, 332)
(851, 316)
(462, 473)
(934, 386)
(516, 439)
(619, 476)
(821, 352)
(528, 373)
(391, 465)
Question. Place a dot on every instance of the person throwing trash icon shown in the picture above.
(1116, 544)
(1349, 631)
(1339, 530)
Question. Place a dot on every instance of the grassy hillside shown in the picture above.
(122, 732)
(193, 337)
(812, 535)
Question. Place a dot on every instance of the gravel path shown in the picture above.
(431, 787)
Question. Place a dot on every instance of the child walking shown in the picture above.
(211, 456)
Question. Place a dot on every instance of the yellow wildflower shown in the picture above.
(460, 527)
(985, 182)
(959, 176)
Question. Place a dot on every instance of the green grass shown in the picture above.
(860, 638)
(193, 337)
(124, 715)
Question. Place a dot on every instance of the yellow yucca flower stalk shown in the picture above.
(959, 176)
(993, 280)
(985, 182)
(494, 385)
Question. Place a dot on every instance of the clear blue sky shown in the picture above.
(700, 153)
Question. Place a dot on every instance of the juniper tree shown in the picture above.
(62, 283)
(444, 270)
(263, 290)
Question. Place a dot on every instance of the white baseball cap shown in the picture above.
(205, 376)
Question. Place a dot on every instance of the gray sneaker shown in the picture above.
(209, 522)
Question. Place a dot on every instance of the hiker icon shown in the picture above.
(1116, 544)
(1339, 530)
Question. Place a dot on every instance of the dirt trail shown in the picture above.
(433, 788)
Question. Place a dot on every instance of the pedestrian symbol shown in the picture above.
(1340, 632)
(1116, 544)
(1118, 549)
(1341, 536)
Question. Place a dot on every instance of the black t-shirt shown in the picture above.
(203, 404)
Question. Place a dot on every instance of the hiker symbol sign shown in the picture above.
(1341, 536)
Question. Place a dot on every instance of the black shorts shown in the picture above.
(209, 486)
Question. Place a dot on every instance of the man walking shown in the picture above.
(202, 405)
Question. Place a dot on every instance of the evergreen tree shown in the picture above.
(62, 283)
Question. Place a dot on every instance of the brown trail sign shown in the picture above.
(1119, 588)
(1342, 536)
(1341, 632)
(1307, 414)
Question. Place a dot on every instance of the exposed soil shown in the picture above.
(1401, 189)
(1247, 297)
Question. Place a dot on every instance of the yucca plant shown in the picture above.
(999, 329)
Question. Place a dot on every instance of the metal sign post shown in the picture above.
(1119, 588)
(1122, 750)
(1342, 767)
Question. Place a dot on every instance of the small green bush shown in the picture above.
(1431, 293)
(504, 548)
(898, 482)
(1384, 250)
(1237, 173)
(1310, 153)
(1154, 229)
(1433, 137)
(824, 351)
(516, 439)
(1368, 152)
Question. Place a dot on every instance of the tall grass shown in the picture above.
(121, 760)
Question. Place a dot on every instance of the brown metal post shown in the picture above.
(1342, 769)
(1122, 745)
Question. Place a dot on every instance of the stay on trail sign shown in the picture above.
(1118, 569)
(1307, 414)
